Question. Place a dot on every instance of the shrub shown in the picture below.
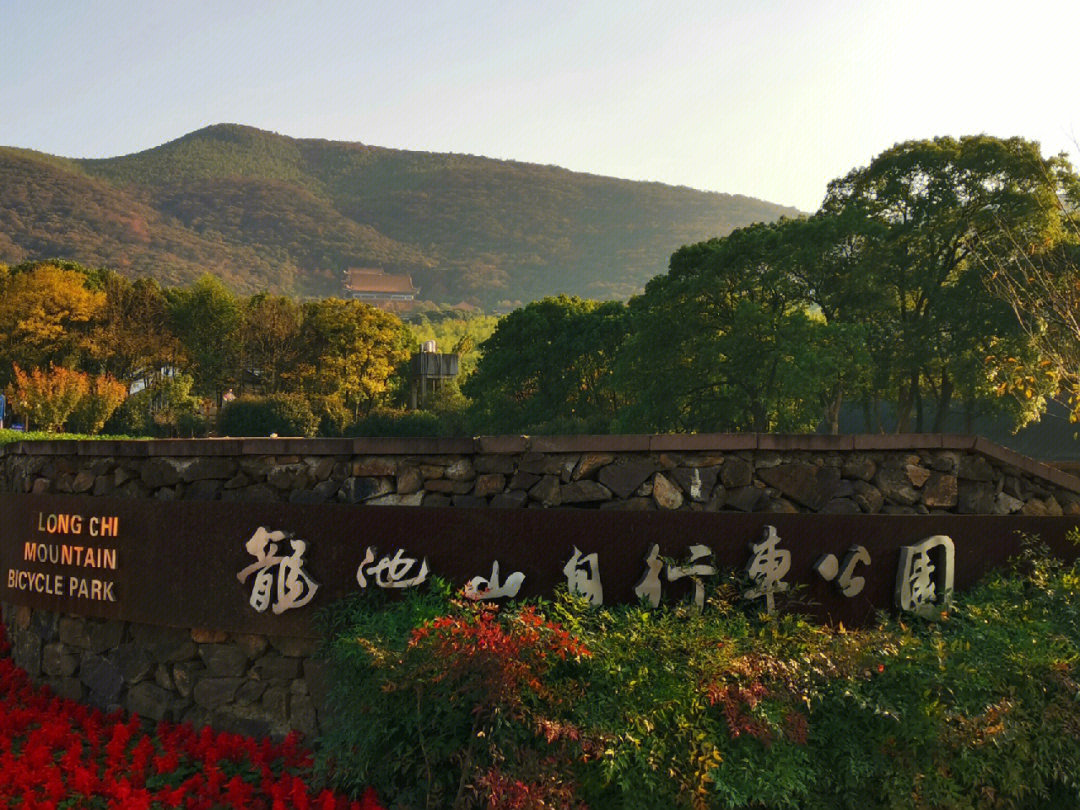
(164, 408)
(103, 396)
(47, 398)
(281, 414)
(458, 713)
(439, 703)
(397, 423)
(332, 414)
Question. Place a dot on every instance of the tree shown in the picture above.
(549, 366)
(927, 207)
(46, 398)
(103, 395)
(45, 312)
(269, 333)
(727, 340)
(132, 337)
(349, 349)
(206, 319)
(1042, 285)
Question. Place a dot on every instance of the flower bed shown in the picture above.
(55, 754)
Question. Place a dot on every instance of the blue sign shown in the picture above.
(3, 404)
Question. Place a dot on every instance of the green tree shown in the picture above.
(926, 208)
(206, 319)
(548, 366)
(727, 340)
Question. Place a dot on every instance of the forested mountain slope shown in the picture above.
(264, 211)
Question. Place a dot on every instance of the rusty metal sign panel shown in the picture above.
(269, 568)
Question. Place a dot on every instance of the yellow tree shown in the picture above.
(351, 350)
(46, 398)
(44, 317)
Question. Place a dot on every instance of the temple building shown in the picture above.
(374, 284)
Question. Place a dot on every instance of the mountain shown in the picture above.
(264, 211)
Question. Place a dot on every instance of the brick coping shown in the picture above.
(617, 443)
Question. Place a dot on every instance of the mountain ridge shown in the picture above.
(266, 211)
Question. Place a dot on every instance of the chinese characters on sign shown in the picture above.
(924, 580)
(390, 572)
(280, 580)
(924, 583)
(490, 588)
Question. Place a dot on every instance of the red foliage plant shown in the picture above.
(58, 753)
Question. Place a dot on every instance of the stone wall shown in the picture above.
(268, 685)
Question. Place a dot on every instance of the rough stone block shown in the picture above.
(546, 491)
(514, 499)
(57, 660)
(102, 677)
(288, 476)
(409, 480)
(212, 693)
(160, 472)
(665, 493)
(841, 506)
(204, 635)
(624, 476)
(744, 499)
(489, 484)
(976, 498)
(302, 715)
(975, 468)
(895, 486)
(251, 644)
(460, 470)
(358, 490)
(223, 660)
(134, 663)
(867, 496)
(736, 473)
(523, 480)
(83, 482)
(590, 463)
(250, 691)
(185, 675)
(412, 499)
(468, 502)
(210, 467)
(697, 482)
(372, 466)
(276, 667)
(207, 490)
(72, 632)
(940, 491)
(502, 464)
(70, 688)
(275, 703)
(807, 484)
(584, 491)
(149, 700)
(26, 652)
(295, 647)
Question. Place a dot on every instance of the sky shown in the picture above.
(770, 99)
